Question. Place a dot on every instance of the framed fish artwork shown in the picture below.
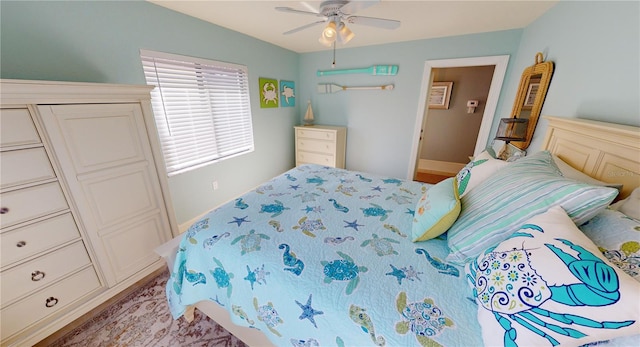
(287, 93)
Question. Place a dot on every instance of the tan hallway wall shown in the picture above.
(450, 135)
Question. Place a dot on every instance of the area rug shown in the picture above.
(143, 319)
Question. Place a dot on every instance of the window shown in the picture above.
(201, 108)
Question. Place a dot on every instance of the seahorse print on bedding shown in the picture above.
(294, 265)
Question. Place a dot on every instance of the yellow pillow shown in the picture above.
(436, 211)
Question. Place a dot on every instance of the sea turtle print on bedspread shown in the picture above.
(322, 256)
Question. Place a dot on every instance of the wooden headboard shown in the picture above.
(605, 151)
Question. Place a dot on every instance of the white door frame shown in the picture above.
(500, 62)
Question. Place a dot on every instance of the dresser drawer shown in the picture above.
(315, 158)
(28, 203)
(16, 128)
(42, 271)
(312, 145)
(24, 166)
(316, 134)
(35, 238)
(48, 301)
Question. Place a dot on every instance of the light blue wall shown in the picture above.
(381, 123)
(100, 42)
(595, 46)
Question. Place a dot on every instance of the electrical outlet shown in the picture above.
(214, 184)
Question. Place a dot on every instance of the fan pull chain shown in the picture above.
(333, 64)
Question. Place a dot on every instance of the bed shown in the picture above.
(321, 256)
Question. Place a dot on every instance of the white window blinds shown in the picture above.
(201, 108)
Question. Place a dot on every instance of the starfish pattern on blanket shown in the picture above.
(308, 312)
(353, 224)
(239, 221)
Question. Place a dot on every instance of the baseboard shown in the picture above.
(437, 167)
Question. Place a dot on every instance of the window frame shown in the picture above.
(201, 107)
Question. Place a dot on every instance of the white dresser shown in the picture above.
(321, 144)
(82, 201)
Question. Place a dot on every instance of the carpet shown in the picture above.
(143, 319)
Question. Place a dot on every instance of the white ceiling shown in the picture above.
(420, 19)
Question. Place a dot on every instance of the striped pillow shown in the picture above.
(498, 206)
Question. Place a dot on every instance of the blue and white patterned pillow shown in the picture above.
(618, 238)
(549, 285)
(436, 211)
(476, 171)
(498, 206)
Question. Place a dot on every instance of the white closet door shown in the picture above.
(108, 164)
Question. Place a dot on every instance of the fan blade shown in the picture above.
(303, 27)
(375, 22)
(355, 6)
(293, 10)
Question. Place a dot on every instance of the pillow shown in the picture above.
(476, 171)
(630, 206)
(491, 152)
(436, 211)
(569, 172)
(498, 206)
(548, 284)
(618, 238)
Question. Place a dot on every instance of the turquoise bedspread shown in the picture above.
(322, 256)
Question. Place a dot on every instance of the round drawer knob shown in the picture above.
(21, 244)
(4, 210)
(51, 301)
(37, 275)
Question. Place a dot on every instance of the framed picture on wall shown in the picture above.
(268, 92)
(287, 93)
(532, 91)
(440, 95)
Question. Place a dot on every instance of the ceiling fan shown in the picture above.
(336, 14)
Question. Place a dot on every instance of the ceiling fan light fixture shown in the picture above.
(344, 34)
(329, 34)
(325, 42)
(336, 13)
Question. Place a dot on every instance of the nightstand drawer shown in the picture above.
(48, 301)
(17, 128)
(36, 238)
(315, 158)
(42, 271)
(310, 145)
(24, 204)
(25, 166)
(317, 134)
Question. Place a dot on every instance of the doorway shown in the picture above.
(500, 65)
